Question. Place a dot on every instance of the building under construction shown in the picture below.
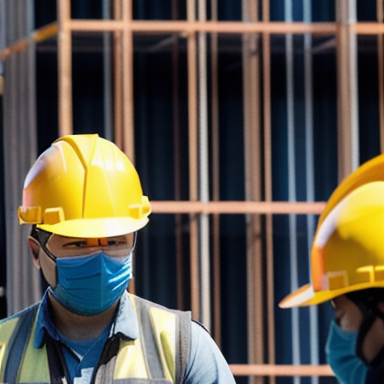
(241, 117)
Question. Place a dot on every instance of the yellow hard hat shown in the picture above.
(348, 248)
(84, 186)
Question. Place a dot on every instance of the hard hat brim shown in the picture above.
(93, 228)
(306, 296)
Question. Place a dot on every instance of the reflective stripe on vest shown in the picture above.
(159, 355)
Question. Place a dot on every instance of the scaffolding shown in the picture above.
(256, 31)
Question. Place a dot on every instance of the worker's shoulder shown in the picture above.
(200, 327)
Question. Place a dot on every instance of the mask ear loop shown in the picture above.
(369, 319)
(379, 358)
(370, 313)
(47, 260)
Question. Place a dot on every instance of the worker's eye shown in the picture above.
(117, 242)
(110, 242)
(75, 244)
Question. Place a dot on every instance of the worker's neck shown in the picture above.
(77, 327)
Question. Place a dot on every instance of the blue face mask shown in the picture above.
(341, 355)
(89, 285)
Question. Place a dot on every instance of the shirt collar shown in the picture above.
(125, 322)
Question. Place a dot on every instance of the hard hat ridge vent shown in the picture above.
(97, 185)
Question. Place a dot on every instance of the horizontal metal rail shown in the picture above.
(227, 27)
(185, 27)
(224, 27)
(280, 370)
(237, 207)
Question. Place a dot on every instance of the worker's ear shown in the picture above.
(380, 306)
(34, 248)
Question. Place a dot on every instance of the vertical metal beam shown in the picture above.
(289, 55)
(19, 120)
(107, 74)
(268, 186)
(2, 30)
(193, 159)
(127, 62)
(124, 125)
(252, 161)
(205, 286)
(380, 67)
(30, 129)
(27, 126)
(348, 130)
(117, 76)
(215, 179)
(177, 160)
(309, 175)
(64, 67)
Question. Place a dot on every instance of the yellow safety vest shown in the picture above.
(159, 355)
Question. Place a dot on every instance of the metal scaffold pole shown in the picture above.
(205, 286)
(253, 175)
(23, 282)
(64, 39)
(193, 161)
(293, 270)
(107, 74)
(267, 160)
(380, 68)
(347, 96)
(216, 265)
(309, 175)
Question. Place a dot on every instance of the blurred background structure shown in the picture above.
(241, 117)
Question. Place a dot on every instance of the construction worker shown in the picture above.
(85, 203)
(347, 267)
